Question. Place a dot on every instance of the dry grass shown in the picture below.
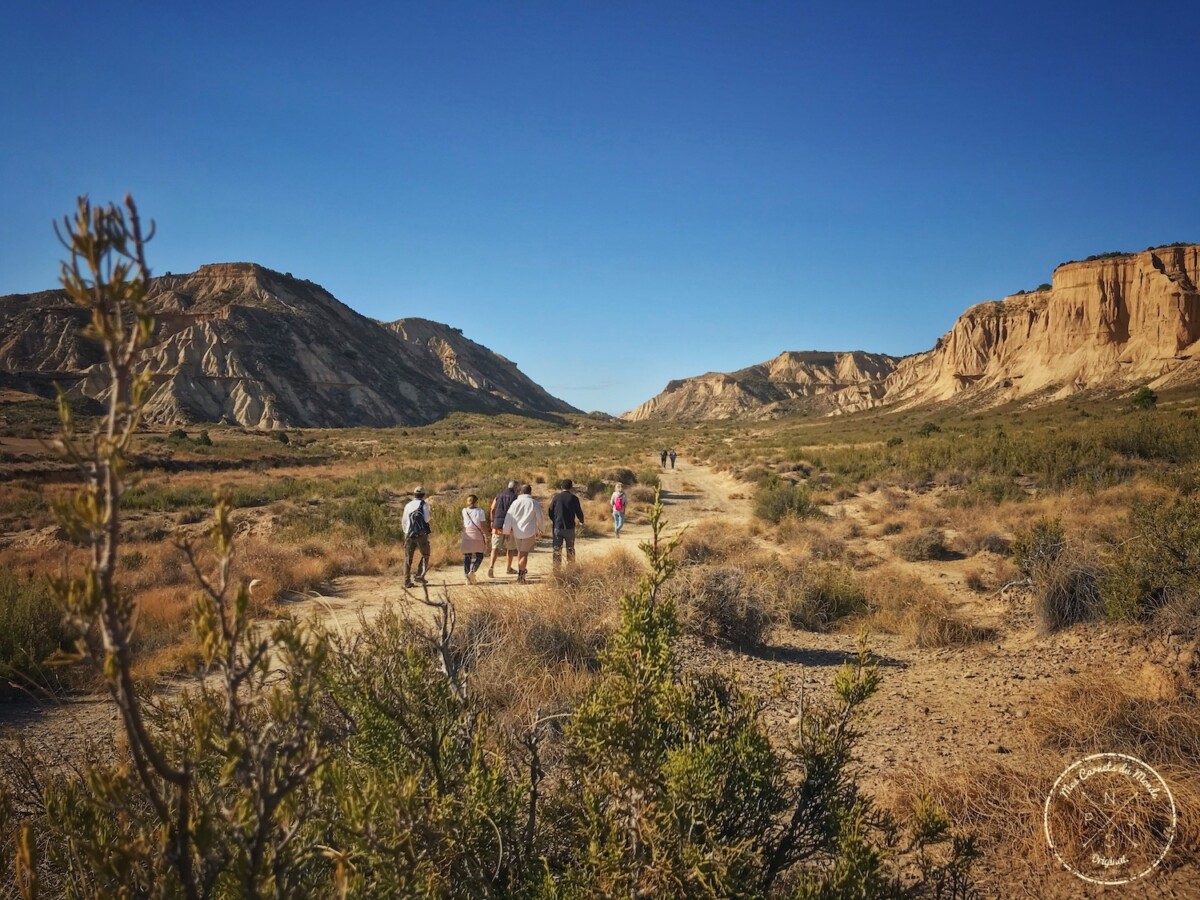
(1075, 718)
(725, 604)
(715, 542)
(921, 613)
(540, 647)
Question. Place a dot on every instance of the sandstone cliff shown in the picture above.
(243, 344)
(795, 381)
(1113, 322)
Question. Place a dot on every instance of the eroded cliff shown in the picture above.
(239, 343)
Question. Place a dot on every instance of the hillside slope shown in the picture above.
(240, 343)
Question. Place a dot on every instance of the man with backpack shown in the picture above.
(415, 520)
(564, 511)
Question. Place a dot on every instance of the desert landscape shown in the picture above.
(966, 591)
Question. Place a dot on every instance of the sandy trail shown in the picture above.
(690, 494)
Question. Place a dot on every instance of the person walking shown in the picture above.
(415, 521)
(672, 455)
(500, 540)
(524, 521)
(662, 459)
(564, 512)
(474, 537)
(618, 501)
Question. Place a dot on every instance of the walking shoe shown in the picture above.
(470, 578)
(521, 578)
(408, 584)
(491, 573)
(512, 571)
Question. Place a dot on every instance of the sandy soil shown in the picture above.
(937, 710)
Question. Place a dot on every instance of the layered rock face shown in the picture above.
(239, 343)
(1115, 322)
(795, 381)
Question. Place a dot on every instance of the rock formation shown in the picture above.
(1112, 322)
(795, 381)
(239, 343)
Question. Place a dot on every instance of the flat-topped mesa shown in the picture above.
(808, 381)
(244, 344)
(1113, 321)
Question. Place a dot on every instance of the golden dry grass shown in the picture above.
(906, 605)
(1003, 803)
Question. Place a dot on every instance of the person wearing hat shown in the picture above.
(564, 511)
(415, 520)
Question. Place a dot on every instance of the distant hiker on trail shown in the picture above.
(564, 511)
(524, 521)
(415, 520)
(500, 540)
(662, 459)
(672, 457)
(474, 537)
(618, 501)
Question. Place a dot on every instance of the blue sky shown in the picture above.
(613, 194)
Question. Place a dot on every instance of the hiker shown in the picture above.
(524, 521)
(474, 537)
(662, 459)
(415, 520)
(564, 511)
(618, 501)
(672, 457)
(500, 540)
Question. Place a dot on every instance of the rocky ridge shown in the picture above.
(1113, 322)
(242, 344)
(795, 381)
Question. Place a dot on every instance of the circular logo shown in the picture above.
(1110, 818)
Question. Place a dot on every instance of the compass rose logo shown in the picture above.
(1110, 818)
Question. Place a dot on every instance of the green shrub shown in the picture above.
(1143, 398)
(31, 630)
(1160, 564)
(778, 498)
(1039, 546)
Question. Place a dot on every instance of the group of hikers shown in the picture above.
(662, 457)
(511, 526)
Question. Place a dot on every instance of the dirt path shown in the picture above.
(690, 494)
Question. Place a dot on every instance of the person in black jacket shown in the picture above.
(564, 512)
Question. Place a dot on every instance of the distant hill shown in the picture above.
(242, 344)
(1113, 321)
(795, 381)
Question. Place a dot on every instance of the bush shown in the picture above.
(904, 604)
(926, 545)
(1039, 546)
(31, 630)
(1065, 591)
(776, 499)
(722, 603)
(1143, 398)
(713, 542)
(820, 595)
(1160, 564)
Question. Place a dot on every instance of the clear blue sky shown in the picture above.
(613, 194)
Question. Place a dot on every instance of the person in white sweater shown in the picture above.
(525, 521)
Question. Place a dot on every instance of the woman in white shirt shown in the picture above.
(474, 537)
